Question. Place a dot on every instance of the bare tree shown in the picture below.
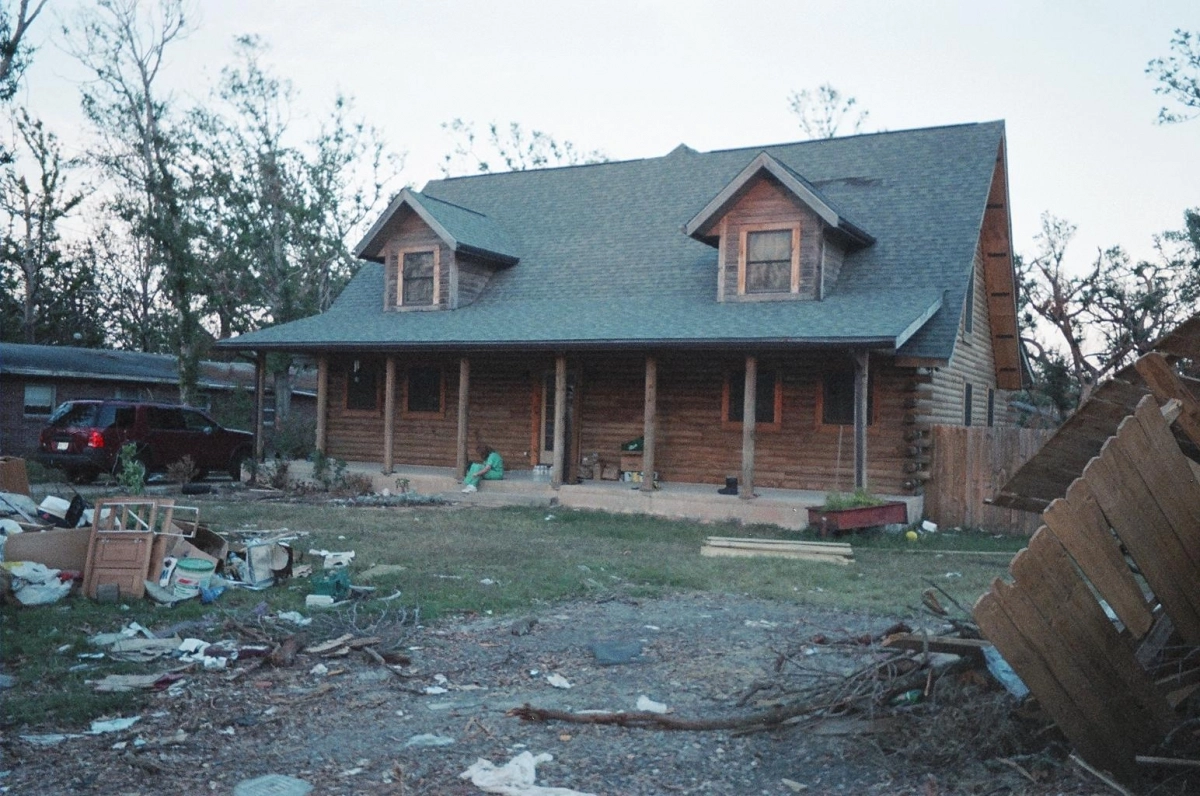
(1106, 314)
(823, 112)
(509, 148)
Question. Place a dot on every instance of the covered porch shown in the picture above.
(786, 508)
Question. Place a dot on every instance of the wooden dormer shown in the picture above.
(436, 255)
(778, 239)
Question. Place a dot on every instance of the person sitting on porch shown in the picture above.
(490, 468)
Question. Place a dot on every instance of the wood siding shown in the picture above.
(973, 362)
(472, 278)
(834, 258)
(693, 446)
(414, 233)
(766, 202)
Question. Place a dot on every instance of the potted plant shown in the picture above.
(846, 512)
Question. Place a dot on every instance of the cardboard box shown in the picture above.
(59, 548)
(13, 475)
(205, 545)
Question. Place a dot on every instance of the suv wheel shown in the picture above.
(84, 476)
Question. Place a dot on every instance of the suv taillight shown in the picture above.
(95, 440)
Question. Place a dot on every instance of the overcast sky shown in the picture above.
(636, 79)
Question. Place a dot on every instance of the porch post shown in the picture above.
(650, 424)
(560, 420)
(389, 414)
(260, 392)
(322, 400)
(464, 389)
(861, 373)
(749, 418)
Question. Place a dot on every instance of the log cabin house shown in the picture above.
(796, 316)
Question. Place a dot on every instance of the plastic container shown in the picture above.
(191, 575)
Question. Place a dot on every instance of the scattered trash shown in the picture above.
(929, 527)
(334, 584)
(37, 584)
(318, 601)
(427, 740)
(48, 739)
(272, 785)
(763, 623)
(616, 653)
(334, 560)
(1004, 673)
(320, 670)
(295, 617)
(434, 690)
(113, 725)
(488, 582)
(558, 681)
(953, 575)
(793, 785)
(514, 778)
(645, 703)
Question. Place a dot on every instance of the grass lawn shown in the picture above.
(439, 557)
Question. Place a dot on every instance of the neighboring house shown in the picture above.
(34, 379)
(796, 315)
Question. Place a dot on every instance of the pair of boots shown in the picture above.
(731, 487)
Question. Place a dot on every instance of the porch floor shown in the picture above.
(786, 508)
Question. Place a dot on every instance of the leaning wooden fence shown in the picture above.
(969, 465)
(1135, 509)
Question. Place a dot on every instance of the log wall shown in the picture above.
(694, 445)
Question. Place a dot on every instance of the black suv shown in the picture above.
(84, 438)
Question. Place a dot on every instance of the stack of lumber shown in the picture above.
(829, 552)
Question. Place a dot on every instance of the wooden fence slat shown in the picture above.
(1045, 571)
(1151, 542)
(1099, 730)
(1082, 529)
(969, 467)
(1025, 659)
(1171, 480)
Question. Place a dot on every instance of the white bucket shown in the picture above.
(191, 575)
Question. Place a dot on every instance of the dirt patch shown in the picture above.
(359, 728)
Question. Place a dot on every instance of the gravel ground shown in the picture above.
(358, 728)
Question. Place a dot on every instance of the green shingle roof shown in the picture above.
(604, 259)
(460, 228)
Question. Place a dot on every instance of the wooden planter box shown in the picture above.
(836, 520)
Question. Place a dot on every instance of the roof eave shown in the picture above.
(763, 162)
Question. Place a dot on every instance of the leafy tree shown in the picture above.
(124, 47)
(1178, 77)
(508, 148)
(277, 213)
(14, 52)
(823, 112)
(33, 199)
(137, 315)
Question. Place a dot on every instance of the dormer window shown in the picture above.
(418, 278)
(770, 259)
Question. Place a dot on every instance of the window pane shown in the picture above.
(837, 406)
(764, 397)
(774, 245)
(362, 393)
(424, 390)
(773, 277)
(418, 278)
(39, 399)
(769, 261)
